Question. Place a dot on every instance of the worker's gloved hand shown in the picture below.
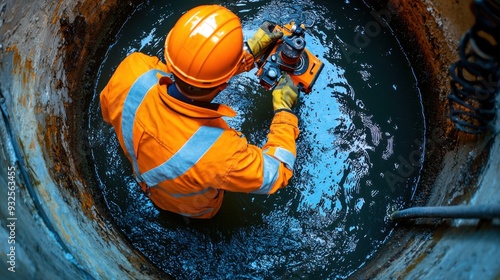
(285, 93)
(263, 38)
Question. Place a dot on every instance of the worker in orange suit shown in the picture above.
(183, 153)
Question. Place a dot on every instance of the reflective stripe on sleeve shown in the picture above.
(185, 158)
(134, 98)
(271, 171)
(285, 156)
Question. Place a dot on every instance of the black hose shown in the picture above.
(475, 77)
(459, 212)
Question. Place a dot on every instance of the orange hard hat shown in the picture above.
(205, 46)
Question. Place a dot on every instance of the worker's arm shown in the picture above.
(251, 169)
(266, 170)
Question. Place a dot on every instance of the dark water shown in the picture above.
(359, 153)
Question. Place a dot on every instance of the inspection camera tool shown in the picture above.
(289, 54)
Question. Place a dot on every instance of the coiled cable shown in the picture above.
(475, 76)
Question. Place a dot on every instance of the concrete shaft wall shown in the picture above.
(47, 47)
(48, 55)
(459, 169)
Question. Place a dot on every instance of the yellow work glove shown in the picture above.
(263, 38)
(285, 94)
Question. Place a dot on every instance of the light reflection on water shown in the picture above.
(361, 119)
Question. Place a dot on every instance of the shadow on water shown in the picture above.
(359, 154)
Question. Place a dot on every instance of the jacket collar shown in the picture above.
(183, 105)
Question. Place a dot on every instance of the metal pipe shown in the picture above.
(459, 211)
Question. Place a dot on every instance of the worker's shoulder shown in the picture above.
(134, 65)
(139, 58)
(136, 59)
(140, 55)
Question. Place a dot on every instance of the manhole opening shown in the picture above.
(359, 154)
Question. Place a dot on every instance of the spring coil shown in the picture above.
(475, 76)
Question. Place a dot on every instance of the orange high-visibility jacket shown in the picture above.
(183, 155)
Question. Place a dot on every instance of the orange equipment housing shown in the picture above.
(290, 54)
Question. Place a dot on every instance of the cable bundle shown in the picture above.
(476, 76)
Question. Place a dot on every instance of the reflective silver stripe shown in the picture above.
(192, 151)
(135, 96)
(271, 173)
(285, 156)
